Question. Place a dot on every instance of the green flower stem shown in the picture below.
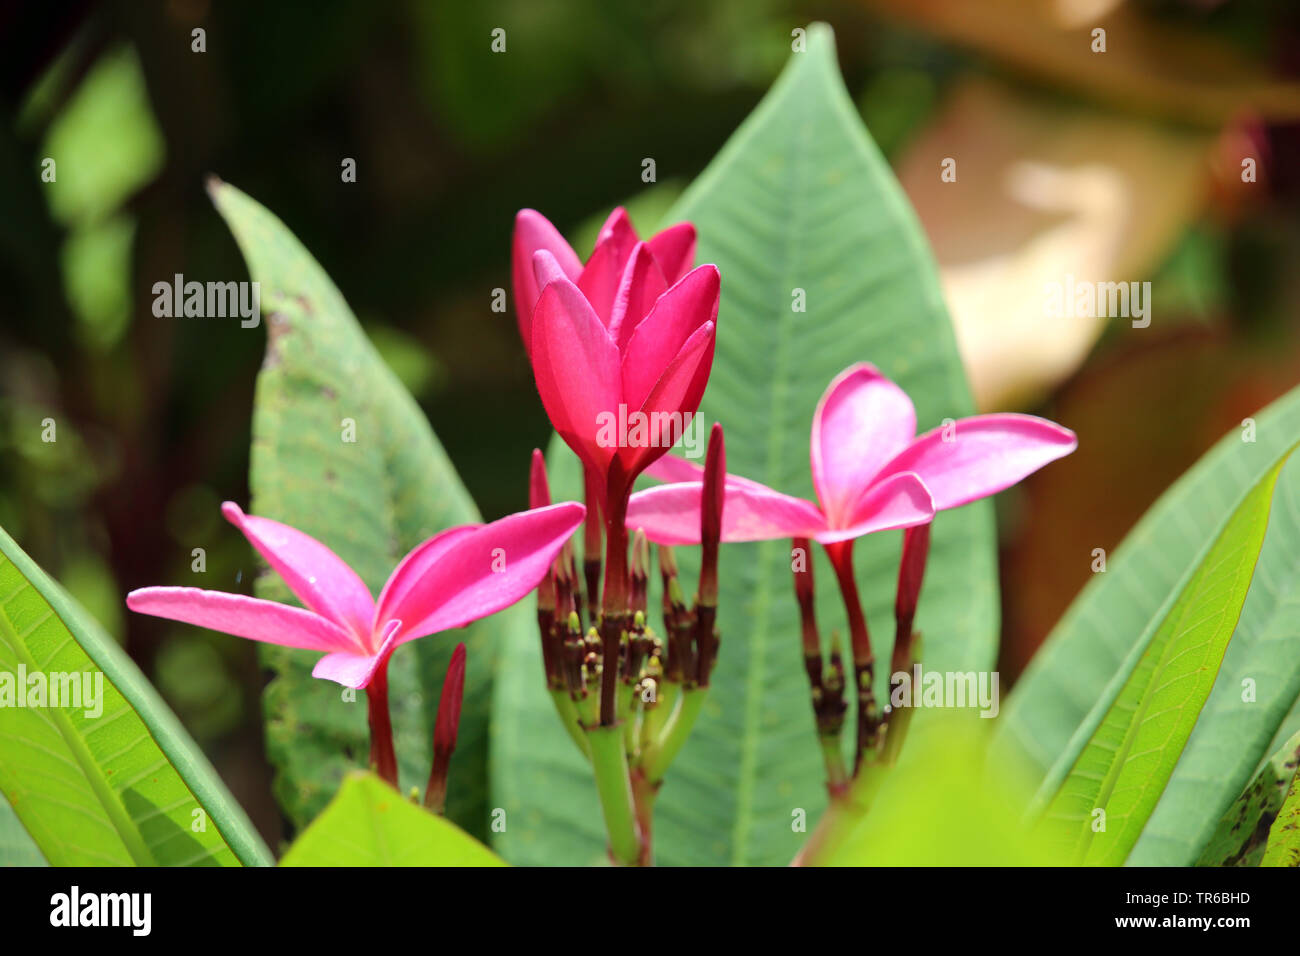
(568, 712)
(660, 715)
(837, 773)
(660, 754)
(628, 717)
(895, 733)
(845, 812)
(643, 797)
(609, 761)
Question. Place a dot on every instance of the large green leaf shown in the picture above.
(371, 824)
(1241, 835)
(799, 198)
(371, 500)
(116, 780)
(1130, 755)
(1242, 723)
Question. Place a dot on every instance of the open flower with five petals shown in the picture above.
(870, 470)
(455, 577)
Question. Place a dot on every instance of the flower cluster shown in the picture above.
(621, 348)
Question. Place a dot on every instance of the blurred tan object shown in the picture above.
(1044, 195)
(1147, 64)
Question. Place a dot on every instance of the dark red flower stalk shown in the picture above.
(911, 572)
(445, 730)
(711, 504)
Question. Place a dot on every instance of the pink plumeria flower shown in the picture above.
(670, 255)
(457, 576)
(870, 470)
(620, 389)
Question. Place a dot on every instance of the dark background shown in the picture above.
(152, 415)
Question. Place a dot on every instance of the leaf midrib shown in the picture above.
(758, 639)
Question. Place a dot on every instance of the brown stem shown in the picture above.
(614, 596)
(643, 796)
(591, 541)
(841, 555)
(383, 758)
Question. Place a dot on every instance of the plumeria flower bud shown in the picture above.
(445, 730)
(911, 572)
(671, 253)
(712, 494)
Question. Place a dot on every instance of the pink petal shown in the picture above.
(641, 285)
(671, 468)
(356, 670)
(546, 269)
(862, 420)
(676, 316)
(485, 570)
(576, 365)
(670, 514)
(987, 453)
(671, 403)
(899, 501)
(253, 618)
(600, 277)
(617, 226)
(674, 250)
(319, 577)
(533, 231)
(413, 567)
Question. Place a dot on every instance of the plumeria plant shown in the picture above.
(761, 397)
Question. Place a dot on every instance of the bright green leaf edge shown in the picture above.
(1131, 754)
(368, 823)
(1094, 646)
(182, 754)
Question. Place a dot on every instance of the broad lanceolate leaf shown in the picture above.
(342, 452)
(1253, 708)
(798, 210)
(1243, 831)
(371, 824)
(108, 776)
(1103, 805)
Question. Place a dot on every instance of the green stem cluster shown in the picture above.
(628, 697)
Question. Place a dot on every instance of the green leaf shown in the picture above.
(1131, 754)
(939, 807)
(1283, 848)
(1243, 831)
(1242, 723)
(371, 500)
(799, 198)
(115, 780)
(371, 824)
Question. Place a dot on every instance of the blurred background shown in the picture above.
(1125, 165)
